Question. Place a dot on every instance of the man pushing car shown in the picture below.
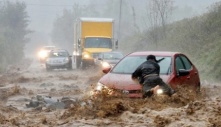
(148, 76)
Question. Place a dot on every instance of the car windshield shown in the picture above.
(58, 54)
(129, 64)
(98, 43)
(111, 56)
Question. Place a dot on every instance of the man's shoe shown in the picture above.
(171, 92)
(148, 93)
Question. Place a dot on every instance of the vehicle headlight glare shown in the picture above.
(102, 88)
(105, 64)
(159, 91)
(75, 53)
(86, 56)
(42, 54)
(99, 86)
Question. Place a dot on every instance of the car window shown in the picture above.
(130, 63)
(107, 56)
(165, 65)
(58, 54)
(186, 62)
(112, 56)
(179, 63)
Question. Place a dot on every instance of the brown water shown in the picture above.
(19, 86)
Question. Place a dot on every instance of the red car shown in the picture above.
(175, 69)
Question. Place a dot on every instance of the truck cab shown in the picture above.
(92, 36)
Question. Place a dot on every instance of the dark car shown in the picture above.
(58, 58)
(175, 69)
(106, 59)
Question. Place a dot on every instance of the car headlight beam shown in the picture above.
(42, 54)
(105, 64)
(159, 91)
(99, 86)
(102, 88)
(86, 56)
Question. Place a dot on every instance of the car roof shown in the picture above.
(59, 50)
(156, 53)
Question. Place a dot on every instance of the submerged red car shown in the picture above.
(175, 69)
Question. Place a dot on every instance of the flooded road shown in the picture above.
(31, 96)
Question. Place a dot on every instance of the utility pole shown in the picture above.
(119, 30)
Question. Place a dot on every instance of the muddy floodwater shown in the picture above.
(31, 96)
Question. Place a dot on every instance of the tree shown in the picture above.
(158, 15)
(13, 24)
(63, 28)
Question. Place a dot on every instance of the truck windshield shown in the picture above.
(98, 43)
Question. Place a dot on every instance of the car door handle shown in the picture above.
(188, 77)
(196, 73)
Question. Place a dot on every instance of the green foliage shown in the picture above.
(198, 37)
(13, 28)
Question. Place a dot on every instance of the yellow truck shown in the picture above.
(91, 37)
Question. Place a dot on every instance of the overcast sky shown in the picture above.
(42, 13)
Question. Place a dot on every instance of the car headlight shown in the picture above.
(104, 89)
(86, 56)
(42, 54)
(105, 64)
(75, 53)
(100, 86)
(159, 91)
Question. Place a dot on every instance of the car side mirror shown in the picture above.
(183, 72)
(106, 70)
(79, 42)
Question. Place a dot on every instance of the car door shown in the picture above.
(193, 73)
(182, 62)
(179, 80)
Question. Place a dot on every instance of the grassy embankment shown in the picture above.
(198, 37)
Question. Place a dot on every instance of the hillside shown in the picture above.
(198, 37)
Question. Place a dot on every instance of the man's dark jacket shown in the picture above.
(147, 68)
